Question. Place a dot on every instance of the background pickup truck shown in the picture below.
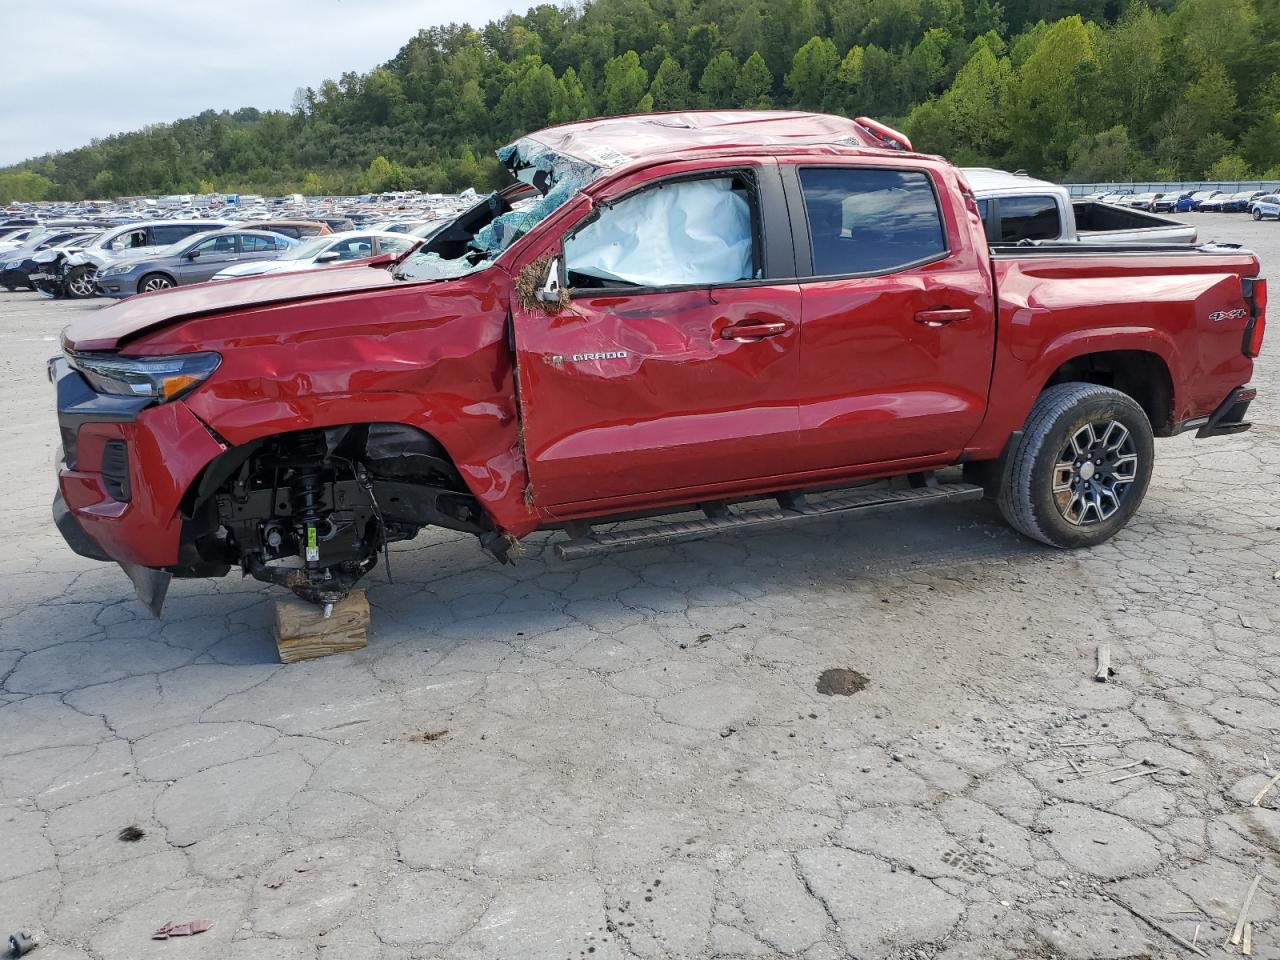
(723, 316)
(1015, 207)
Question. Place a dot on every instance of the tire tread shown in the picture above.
(1015, 499)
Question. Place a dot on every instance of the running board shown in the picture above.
(791, 508)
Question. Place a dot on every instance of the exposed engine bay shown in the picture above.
(312, 510)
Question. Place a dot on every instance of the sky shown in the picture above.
(78, 69)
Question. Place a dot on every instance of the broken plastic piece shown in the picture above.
(23, 942)
(188, 928)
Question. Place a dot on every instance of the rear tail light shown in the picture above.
(1255, 291)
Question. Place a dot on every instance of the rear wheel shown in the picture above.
(153, 282)
(79, 283)
(1081, 467)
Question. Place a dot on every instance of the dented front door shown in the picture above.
(632, 394)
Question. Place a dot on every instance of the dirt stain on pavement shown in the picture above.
(839, 682)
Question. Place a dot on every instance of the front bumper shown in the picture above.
(125, 468)
(119, 286)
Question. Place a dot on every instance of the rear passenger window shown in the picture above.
(870, 221)
(1029, 218)
(163, 236)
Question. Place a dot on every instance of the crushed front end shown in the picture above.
(142, 481)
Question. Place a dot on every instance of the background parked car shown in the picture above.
(323, 251)
(17, 264)
(18, 238)
(193, 260)
(1267, 206)
(120, 241)
(1236, 202)
(1142, 201)
(295, 229)
(52, 274)
(1169, 202)
(1201, 197)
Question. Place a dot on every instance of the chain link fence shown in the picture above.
(1139, 186)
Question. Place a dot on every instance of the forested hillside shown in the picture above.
(1069, 89)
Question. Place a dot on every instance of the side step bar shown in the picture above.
(791, 508)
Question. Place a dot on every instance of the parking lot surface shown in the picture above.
(632, 758)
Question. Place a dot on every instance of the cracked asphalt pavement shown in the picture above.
(632, 757)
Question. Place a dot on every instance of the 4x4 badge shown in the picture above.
(1237, 314)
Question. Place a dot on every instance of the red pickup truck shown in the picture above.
(724, 317)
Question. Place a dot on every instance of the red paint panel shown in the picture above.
(167, 450)
(683, 406)
(1055, 309)
(432, 356)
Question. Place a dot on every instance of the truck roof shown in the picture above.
(988, 180)
(613, 141)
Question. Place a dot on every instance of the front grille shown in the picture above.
(115, 470)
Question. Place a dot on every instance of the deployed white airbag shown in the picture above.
(692, 232)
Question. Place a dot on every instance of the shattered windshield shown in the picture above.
(475, 238)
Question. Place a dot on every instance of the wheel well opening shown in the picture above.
(1142, 375)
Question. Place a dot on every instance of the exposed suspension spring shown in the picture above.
(306, 488)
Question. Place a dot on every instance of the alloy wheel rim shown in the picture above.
(1095, 469)
(156, 283)
(81, 286)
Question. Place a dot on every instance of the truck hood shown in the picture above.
(114, 326)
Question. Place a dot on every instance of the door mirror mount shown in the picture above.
(551, 291)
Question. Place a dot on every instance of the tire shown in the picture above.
(1257, 214)
(155, 281)
(79, 283)
(1096, 495)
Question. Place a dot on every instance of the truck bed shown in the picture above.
(1184, 305)
(1109, 224)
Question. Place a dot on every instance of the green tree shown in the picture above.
(1230, 167)
(1102, 157)
(1047, 102)
(670, 87)
(754, 88)
(719, 80)
(626, 84)
(570, 101)
(24, 185)
(813, 72)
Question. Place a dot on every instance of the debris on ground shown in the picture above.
(1104, 670)
(1247, 948)
(188, 928)
(1242, 920)
(23, 942)
(1156, 925)
(131, 834)
(1257, 800)
(1141, 773)
(426, 736)
(840, 682)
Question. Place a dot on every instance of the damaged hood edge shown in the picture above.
(112, 327)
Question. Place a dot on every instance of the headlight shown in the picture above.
(161, 378)
(117, 269)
